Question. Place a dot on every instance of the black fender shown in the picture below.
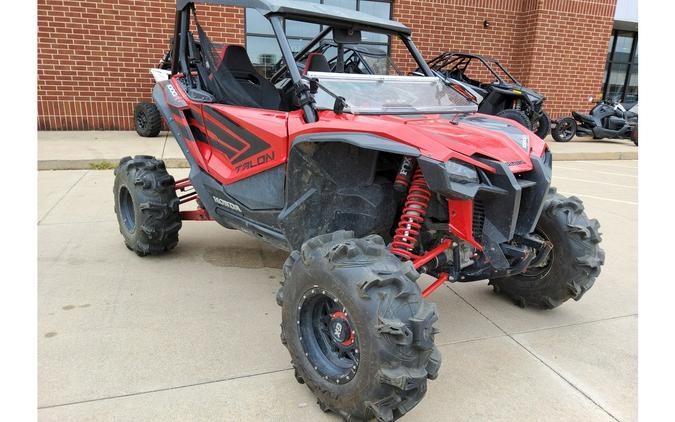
(331, 185)
(494, 102)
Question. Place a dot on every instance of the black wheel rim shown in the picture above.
(328, 336)
(566, 130)
(543, 269)
(141, 120)
(127, 209)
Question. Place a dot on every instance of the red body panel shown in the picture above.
(233, 143)
(238, 142)
(244, 141)
(433, 135)
(247, 158)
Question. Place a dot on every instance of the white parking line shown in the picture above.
(595, 163)
(598, 197)
(595, 171)
(596, 182)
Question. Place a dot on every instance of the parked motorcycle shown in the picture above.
(607, 119)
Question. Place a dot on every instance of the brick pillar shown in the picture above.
(562, 50)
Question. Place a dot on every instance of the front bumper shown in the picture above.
(501, 206)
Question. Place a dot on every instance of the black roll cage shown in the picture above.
(463, 60)
(180, 60)
(325, 45)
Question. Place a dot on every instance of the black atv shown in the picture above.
(607, 119)
(504, 96)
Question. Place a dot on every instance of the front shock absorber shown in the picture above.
(410, 225)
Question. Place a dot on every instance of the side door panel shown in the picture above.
(244, 141)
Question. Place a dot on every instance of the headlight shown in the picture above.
(460, 172)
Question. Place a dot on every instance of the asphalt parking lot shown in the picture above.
(194, 335)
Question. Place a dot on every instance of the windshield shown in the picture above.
(380, 94)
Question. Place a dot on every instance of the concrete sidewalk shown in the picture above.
(193, 335)
(71, 150)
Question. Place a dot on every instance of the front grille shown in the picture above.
(478, 220)
(510, 203)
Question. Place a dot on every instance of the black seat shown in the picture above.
(583, 117)
(261, 92)
(316, 62)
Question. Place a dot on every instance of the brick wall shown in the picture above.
(94, 56)
(557, 47)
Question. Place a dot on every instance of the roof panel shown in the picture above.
(304, 10)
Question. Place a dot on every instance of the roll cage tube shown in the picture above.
(506, 72)
(175, 46)
(301, 53)
(180, 62)
(305, 98)
(407, 40)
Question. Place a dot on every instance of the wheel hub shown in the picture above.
(340, 330)
(141, 120)
(327, 336)
(126, 204)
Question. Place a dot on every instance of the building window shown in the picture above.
(262, 45)
(621, 77)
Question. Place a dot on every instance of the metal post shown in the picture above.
(417, 55)
(287, 54)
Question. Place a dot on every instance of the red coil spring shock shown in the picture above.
(410, 224)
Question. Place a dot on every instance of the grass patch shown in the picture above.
(102, 165)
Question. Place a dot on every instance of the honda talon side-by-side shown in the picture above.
(368, 181)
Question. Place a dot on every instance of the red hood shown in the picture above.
(441, 137)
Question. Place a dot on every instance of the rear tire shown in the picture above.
(377, 300)
(543, 125)
(146, 205)
(573, 264)
(516, 115)
(565, 130)
(147, 120)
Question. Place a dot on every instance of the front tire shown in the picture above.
(516, 115)
(359, 333)
(565, 130)
(573, 264)
(146, 205)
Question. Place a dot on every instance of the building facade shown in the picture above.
(621, 70)
(94, 56)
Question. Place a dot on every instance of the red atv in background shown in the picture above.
(369, 181)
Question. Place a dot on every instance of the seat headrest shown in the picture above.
(316, 62)
(235, 59)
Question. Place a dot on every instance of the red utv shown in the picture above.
(368, 181)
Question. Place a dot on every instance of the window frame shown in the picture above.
(611, 62)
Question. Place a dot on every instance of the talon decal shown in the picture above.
(255, 163)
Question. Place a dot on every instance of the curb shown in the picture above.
(99, 164)
(105, 163)
(595, 156)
